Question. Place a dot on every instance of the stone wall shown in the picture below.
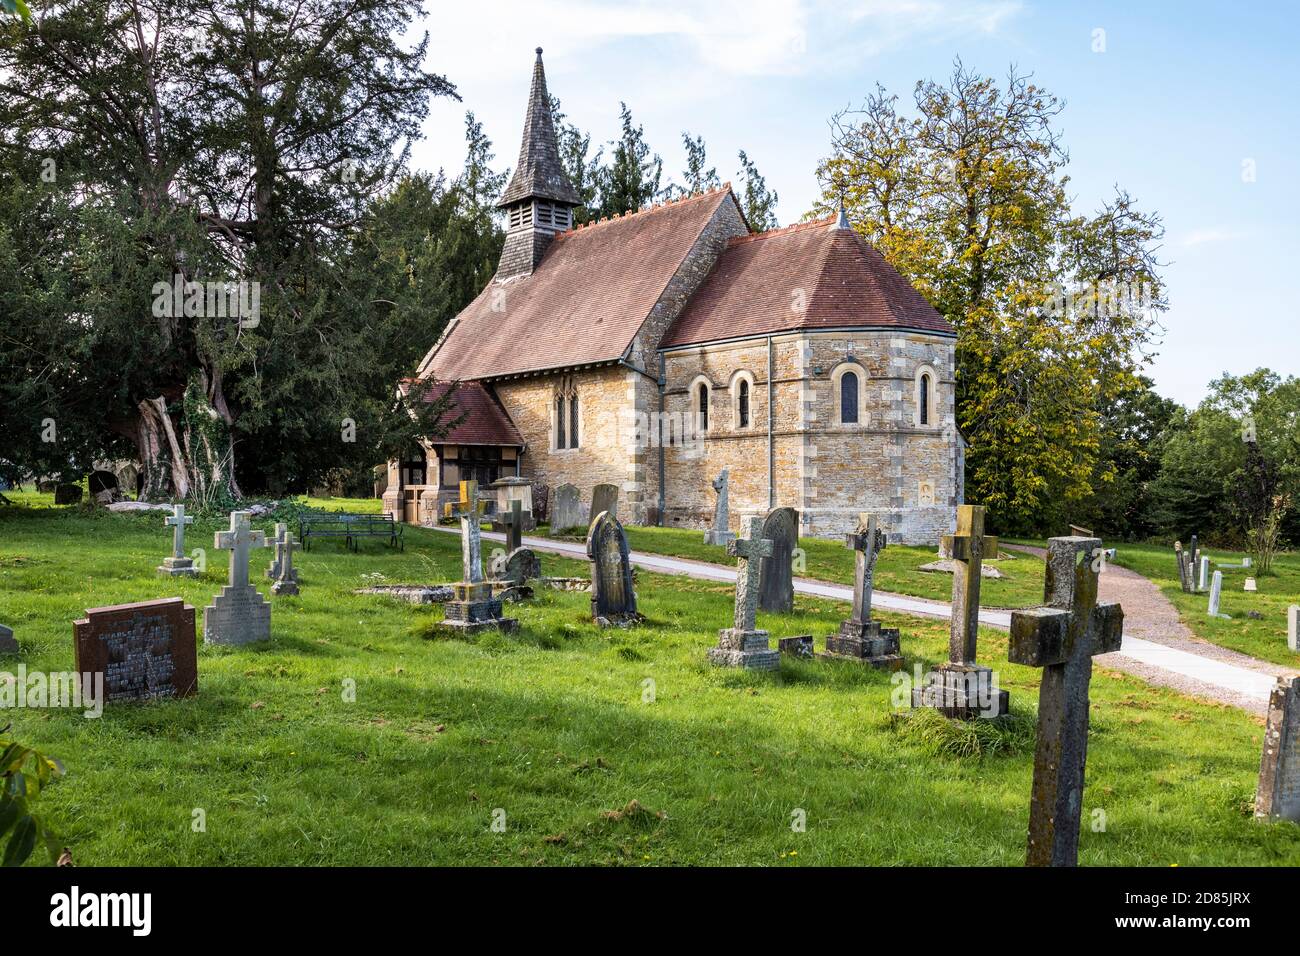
(887, 462)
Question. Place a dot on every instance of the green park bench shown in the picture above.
(350, 527)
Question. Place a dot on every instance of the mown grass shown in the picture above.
(1263, 637)
(555, 728)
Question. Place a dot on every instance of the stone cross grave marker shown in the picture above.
(860, 638)
(566, 511)
(1293, 627)
(1216, 595)
(718, 533)
(179, 563)
(963, 688)
(145, 651)
(513, 522)
(1062, 637)
(613, 599)
(273, 569)
(287, 582)
(776, 584)
(238, 614)
(1278, 796)
(743, 645)
(603, 498)
(472, 607)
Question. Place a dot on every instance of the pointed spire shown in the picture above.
(539, 174)
(842, 221)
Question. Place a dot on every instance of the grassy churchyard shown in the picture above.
(353, 738)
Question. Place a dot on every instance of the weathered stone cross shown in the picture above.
(238, 540)
(751, 551)
(287, 581)
(178, 519)
(1061, 637)
(968, 548)
(514, 525)
(470, 512)
(868, 541)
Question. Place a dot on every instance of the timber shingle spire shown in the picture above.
(539, 173)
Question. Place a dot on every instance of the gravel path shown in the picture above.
(1150, 617)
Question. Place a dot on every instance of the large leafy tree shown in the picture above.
(967, 198)
(217, 140)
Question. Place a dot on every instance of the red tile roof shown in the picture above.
(485, 421)
(760, 281)
(585, 302)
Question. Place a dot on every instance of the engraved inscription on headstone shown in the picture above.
(145, 651)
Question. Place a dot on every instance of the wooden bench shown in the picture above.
(349, 527)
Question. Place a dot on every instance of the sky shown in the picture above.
(1190, 106)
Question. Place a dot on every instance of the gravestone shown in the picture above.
(472, 608)
(1062, 637)
(238, 614)
(512, 522)
(743, 645)
(613, 598)
(8, 643)
(287, 582)
(566, 510)
(604, 498)
(1216, 595)
(961, 688)
(273, 569)
(1293, 627)
(1278, 796)
(776, 584)
(860, 638)
(145, 651)
(718, 533)
(178, 563)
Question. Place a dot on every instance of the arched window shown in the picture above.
(849, 398)
(574, 431)
(924, 398)
(742, 404)
(702, 406)
(559, 421)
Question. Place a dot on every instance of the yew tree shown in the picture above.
(167, 142)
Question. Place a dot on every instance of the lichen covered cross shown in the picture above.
(868, 541)
(177, 520)
(1062, 637)
(238, 540)
(751, 551)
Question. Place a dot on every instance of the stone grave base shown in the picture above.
(411, 593)
(747, 649)
(722, 538)
(867, 643)
(962, 692)
(468, 617)
(178, 566)
(238, 615)
(801, 646)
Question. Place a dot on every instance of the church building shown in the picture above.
(657, 348)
